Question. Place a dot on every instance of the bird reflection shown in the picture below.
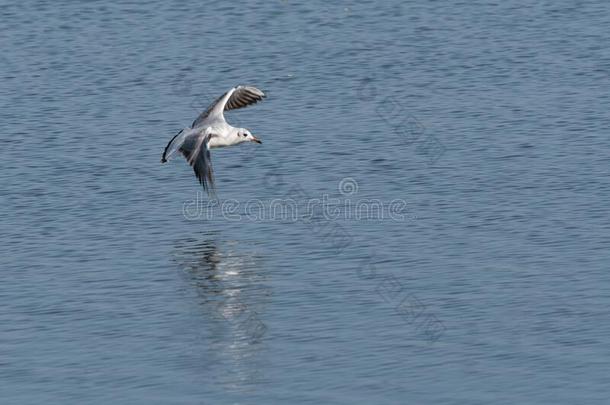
(231, 292)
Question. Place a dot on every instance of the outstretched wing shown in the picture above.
(237, 97)
(174, 144)
(198, 156)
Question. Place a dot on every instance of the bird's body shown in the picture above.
(226, 136)
(210, 130)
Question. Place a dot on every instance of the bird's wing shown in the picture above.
(175, 143)
(237, 97)
(198, 156)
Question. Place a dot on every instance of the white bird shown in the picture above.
(210, 130)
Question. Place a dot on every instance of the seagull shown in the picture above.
(210, 130)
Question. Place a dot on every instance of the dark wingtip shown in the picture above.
(163, 160)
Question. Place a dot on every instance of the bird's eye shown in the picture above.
(244, 134)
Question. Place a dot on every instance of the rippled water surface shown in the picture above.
(481, 128)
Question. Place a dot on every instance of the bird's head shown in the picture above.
(245, 136)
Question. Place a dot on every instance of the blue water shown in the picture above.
(488, 121)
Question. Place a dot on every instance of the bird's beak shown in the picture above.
(255, 139)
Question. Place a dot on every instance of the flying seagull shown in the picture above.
(210, 130)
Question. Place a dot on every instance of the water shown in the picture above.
(488, 120)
